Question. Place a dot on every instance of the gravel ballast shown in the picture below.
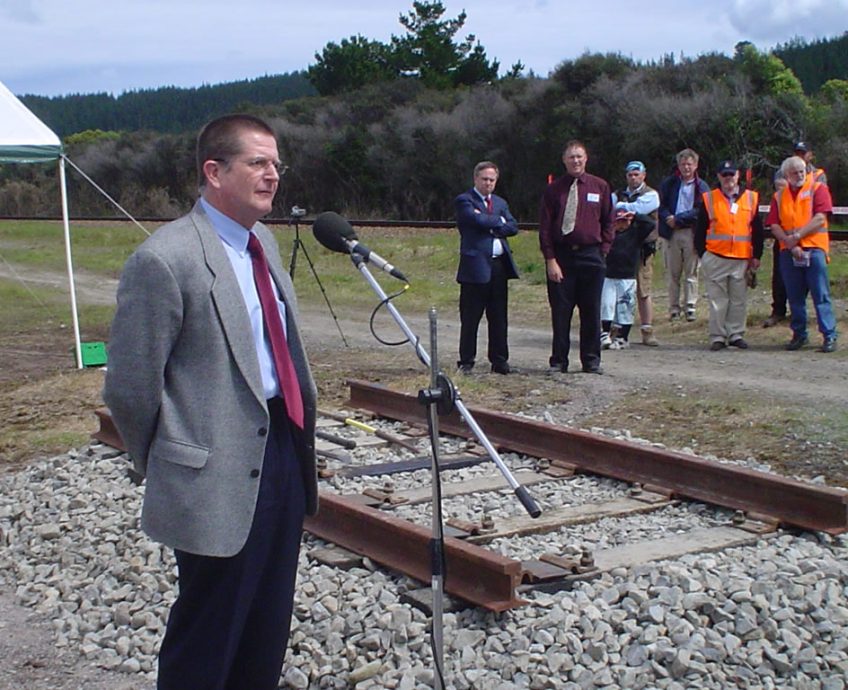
(772, 615)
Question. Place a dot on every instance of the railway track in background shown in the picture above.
(375, 493)
(840, 212)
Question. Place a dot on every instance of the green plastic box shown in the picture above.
(93, 354)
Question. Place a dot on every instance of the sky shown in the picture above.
(56, 47)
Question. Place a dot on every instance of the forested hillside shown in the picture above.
(817, 62)
(168, 109)
(403, 143)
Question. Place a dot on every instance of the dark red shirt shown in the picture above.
(594, 214)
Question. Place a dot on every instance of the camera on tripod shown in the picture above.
(297, 212)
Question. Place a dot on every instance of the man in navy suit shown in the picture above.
(485, 266)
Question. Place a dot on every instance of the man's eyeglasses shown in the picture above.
(260, 164)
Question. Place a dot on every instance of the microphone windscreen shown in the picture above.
(331, 230)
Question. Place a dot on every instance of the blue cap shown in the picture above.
(635, 165)
(726, 168)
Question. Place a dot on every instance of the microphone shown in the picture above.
(337, 235)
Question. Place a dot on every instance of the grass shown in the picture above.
(427, 257)
(733, 426)
(34, 316)
(97, 247)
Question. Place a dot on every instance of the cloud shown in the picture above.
(21, 11)
(775, 21)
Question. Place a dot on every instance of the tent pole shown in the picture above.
(67, 231)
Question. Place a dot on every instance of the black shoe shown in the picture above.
(797, 342)
(829, 345)
(503, 369)
(740, 343)
(717, 345)
(465, 368)
(592, 370)
(773, 320)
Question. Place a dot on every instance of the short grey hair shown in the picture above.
(687, 153)
(792, 162)
(485, 165)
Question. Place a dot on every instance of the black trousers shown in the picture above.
(490, 298)
(778, 289)
(229, 627)
(583, 280)
(556, 359)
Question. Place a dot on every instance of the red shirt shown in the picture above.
(594, 214)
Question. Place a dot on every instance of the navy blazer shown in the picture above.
(477, 231)
(669, 191)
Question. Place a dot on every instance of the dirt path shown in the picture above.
(766, 369)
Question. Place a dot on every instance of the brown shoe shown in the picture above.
(773, 320)
(648, 337)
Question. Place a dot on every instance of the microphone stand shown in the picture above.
(441, 398)
(520, 491)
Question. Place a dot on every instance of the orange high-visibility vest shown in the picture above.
(795, 212)
(729, 234)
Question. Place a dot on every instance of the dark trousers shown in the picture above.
(557, 359)
(778, 289)
(474, 300)
(229, 627)
(583, 271)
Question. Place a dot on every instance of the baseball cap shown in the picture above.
(635, 165)
(726, 167)
(801, 146)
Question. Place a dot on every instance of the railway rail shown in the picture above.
(837, 235)
(357, 450)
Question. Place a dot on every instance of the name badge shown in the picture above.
(734, 207)
(594, 198)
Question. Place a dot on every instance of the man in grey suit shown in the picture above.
(216, 405)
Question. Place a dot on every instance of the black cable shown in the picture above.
(438, 542)
(381, 304)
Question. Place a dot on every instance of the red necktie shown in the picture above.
(489, 206)
(286, 374)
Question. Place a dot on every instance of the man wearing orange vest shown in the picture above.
(778, 291)
(729, 239)
(798, 220)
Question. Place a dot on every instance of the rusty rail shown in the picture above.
(761, 495)
(473, 573)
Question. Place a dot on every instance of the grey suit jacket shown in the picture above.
(185, 392)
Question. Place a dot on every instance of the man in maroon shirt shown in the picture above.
(575, 234)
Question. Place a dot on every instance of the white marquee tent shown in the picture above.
(26, 139)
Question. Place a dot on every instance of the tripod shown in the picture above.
(298, 245)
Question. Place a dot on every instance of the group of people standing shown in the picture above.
(598, 248)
